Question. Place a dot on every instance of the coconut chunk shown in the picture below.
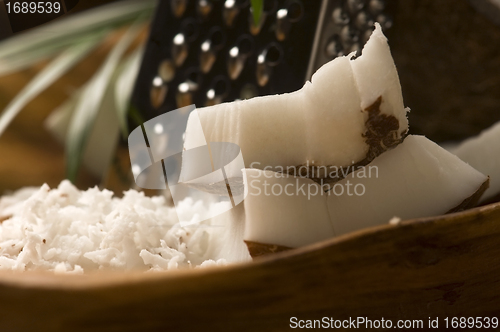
(334, 120)
(376, 76)
(416, 179)
(284, 210)
(483, 153)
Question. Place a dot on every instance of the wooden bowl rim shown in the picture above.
(100, 279)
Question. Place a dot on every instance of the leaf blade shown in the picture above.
(40, 43)
(90, 101)
(124, 86)
(45, 78)
(257, 9)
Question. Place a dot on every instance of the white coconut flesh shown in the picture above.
(278, 212)
(350, 112)
(416, 179)
(483, 153)
(72, 231)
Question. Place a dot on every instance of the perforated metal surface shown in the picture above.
(205, 52)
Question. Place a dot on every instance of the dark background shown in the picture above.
(448, 59)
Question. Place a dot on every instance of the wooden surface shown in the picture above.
(435, 267)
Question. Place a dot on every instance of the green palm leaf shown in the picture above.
(124, 86)
(90, 101)
(34, 45)
(257, 9)
(47, 76)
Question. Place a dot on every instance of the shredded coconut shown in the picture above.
(70, 231)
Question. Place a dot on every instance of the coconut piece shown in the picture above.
(483, 153)
(334, 120)
(284, 210)
(416, 179)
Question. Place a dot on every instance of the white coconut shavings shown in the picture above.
(72, 231)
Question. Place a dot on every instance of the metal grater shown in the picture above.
(205, 52)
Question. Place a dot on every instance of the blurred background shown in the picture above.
(447, 53)
(448, 57)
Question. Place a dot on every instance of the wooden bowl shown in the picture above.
(446, 266)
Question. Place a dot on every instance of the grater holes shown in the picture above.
(219, 88)
(231, 10)
(363, 20)
(190, 29)
(209, 48)
(340, 17)
(186, 90)
(267, 59)
(158, 92)
(179, 50)
(234, 57)
(166, 70)
(204, 8)
(333, 47)
(385, 21)
(355, 6)
(217, 38)
(348, 36)
(178, 7)
(295, 11)
(194, 78)
(244, 44)
(273, 54)
(376, 6)
(238, 55)
(180, 43)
